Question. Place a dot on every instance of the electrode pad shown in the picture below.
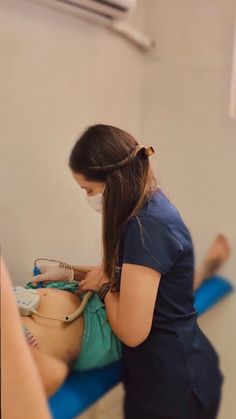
(27, 300)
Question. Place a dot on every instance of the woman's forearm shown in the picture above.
(118, 326)
(84, 269)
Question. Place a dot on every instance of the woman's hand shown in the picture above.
(94, 279)
(53, 273)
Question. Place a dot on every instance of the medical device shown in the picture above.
(28, 300)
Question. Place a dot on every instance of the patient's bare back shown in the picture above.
(57, 338)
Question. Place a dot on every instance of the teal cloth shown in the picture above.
(100, 346)
(72, 286)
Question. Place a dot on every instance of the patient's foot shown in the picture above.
(215, 257)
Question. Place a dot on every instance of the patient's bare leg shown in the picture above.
(52, 371)
(217, 254)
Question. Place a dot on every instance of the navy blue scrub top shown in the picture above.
(176, 358)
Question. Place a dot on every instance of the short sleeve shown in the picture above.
(149, 243)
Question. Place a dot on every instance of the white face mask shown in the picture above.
(96, 201)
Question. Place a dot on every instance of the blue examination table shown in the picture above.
(81, 389)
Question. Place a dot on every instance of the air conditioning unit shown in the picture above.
(110, 13)
(102, 10)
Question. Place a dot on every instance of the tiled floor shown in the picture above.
(108, 407)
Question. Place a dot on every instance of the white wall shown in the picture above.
(60, 74)
(185, 114)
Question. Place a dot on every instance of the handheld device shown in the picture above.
(87, 295)
(28, 300)
(36, 271)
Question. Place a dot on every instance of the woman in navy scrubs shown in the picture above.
(171, 370)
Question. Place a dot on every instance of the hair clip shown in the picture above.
(149, 151)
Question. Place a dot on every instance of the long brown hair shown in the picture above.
(104, 153)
